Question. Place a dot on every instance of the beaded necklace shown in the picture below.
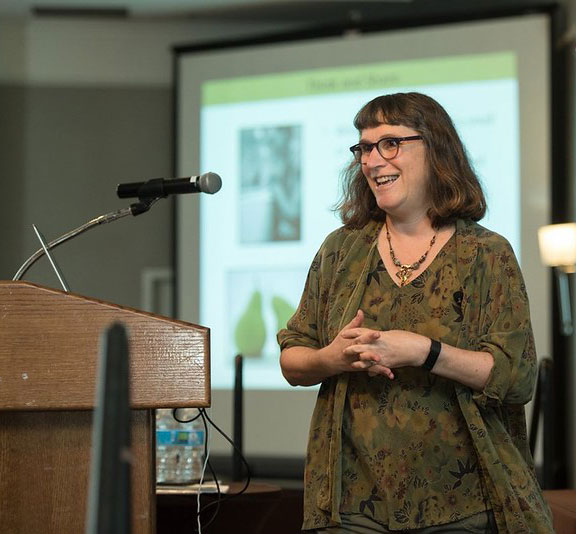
(406, 270)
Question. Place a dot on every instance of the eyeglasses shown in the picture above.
(387, 147)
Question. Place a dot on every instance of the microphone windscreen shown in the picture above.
(209, 182)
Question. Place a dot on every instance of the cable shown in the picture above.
(219, 498)
(205, 463)
(248, 473)
(185, 421)
(202, 413)
(229, 495)
(206, 457)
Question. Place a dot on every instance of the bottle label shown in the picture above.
(194, 438)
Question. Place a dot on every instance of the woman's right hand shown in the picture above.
(334, 352)
(303, 366)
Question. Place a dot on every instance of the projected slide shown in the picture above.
(280, 142)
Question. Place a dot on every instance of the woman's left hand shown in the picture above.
(389, 349)
(399, 348)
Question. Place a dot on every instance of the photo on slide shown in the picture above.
(259, 306)
(270, 184)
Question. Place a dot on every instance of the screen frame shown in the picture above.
(288, 467)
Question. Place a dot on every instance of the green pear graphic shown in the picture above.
(250, 332)
(283, 311)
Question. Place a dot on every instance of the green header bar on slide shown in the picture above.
(421, 72)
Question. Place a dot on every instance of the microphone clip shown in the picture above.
(148, 193)
(152, 189)
(141, 207)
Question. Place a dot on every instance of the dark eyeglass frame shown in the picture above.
(363, 149)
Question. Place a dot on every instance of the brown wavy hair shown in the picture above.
(454, 187)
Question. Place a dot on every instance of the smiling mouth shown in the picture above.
(385, 180)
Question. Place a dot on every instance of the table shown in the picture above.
(261, 509)
(563, 505)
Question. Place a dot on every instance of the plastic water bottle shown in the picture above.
(179, 447)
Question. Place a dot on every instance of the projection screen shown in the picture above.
(275, 122)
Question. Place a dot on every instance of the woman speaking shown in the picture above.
(415, 321)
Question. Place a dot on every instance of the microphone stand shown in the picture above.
(109, 492)
(134, 209)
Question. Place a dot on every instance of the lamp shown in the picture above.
(558, 250)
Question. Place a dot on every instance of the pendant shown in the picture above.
(404, 274)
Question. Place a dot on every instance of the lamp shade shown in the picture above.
(558, 246)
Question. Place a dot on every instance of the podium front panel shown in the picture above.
(45, 470)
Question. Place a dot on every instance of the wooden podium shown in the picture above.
(49, 349)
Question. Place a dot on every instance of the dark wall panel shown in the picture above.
(78, 144)
(12, 159)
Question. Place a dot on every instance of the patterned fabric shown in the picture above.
(482, 523)
(494, 318)
(407, 458)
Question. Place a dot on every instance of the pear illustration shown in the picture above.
(250, 332)
(283, 311)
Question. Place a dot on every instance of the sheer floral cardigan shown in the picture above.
(495, 319)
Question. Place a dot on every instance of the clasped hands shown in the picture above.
(377, 352)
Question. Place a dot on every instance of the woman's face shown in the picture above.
(400, 185)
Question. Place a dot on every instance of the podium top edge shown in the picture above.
(37, 289)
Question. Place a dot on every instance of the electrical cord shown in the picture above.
(204, 464)
(202, 414)
(219, 498)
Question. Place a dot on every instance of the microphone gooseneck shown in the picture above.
(147, 192)
(102, 219)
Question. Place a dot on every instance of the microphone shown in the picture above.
(208, 182)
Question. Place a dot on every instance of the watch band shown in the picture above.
(435, 348)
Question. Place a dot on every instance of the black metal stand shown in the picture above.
(238, 420)
(109, 498)
(544, 409)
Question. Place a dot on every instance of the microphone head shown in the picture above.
(209, 182)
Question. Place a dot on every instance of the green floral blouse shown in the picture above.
(407, 458)
(476, 301)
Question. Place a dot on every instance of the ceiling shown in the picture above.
(306, 11)
(178, 8)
